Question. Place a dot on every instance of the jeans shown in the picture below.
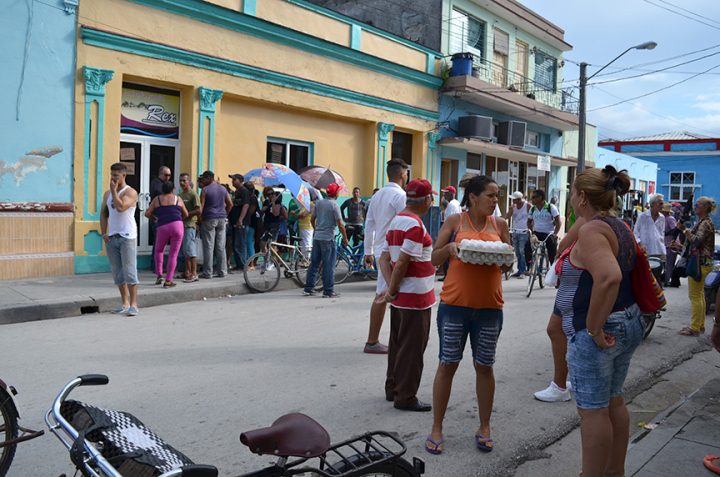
(323, 251)
(121, 253)
(520, 240)
(456, 323)
(250, 241)
(599, 374)
(240, 247)
(213, 239)
(696, 294)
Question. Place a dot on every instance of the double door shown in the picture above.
(144, 156)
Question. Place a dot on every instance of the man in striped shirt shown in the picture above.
(406, 266)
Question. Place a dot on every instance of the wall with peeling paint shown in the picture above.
(36, 101)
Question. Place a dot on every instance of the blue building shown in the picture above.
(687, 163)
(36, 124)
(505, 115)
(643, 173)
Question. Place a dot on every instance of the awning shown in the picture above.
(502, 151)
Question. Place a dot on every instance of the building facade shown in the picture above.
(519, 135)
(686, 163)
(36, 116)
(229, 86)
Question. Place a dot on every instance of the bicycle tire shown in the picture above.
(343, 269)
(397, 467)
(648, 323)
(531, 279)
(8, 430)
(541, 270)
(302, 265)
(262, 273)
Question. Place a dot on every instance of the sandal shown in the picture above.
(688, 332)
(712, 462)
(434, 447)
(483, 443)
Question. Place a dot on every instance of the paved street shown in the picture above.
(201, 372)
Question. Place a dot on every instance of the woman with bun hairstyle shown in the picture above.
(702, 237)
(600, 318)
(471, 305)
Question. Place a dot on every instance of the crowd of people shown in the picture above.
(595, 325)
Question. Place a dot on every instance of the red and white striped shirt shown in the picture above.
(408, 234)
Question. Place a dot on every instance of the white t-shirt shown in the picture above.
(543, 218)
(452, 208)
(385, 205)
(520, 217)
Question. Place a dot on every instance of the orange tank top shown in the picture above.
(471, 285)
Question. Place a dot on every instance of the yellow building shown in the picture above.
(228, 85)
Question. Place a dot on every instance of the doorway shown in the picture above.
(143, 158)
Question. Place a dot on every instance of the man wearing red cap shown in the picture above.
(325, 218)
(406, 265)
(453, 206)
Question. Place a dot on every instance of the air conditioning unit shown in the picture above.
(480, 127)
(512, 133)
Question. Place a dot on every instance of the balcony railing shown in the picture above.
(511, 82)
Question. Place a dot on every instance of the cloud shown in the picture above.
(632, 121)
(32, 161)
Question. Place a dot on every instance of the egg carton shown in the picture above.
(486, 258)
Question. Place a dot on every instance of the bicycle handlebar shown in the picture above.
(93, 380)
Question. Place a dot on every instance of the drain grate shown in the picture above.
(84, 310)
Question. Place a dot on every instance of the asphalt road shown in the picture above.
(199, 373)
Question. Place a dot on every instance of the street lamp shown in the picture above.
(648, 45)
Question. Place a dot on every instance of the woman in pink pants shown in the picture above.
(168, 211)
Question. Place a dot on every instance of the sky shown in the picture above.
(601, 30)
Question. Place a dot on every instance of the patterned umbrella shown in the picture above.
(276, 175)
(320, 177)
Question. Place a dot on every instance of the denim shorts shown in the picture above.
(122, 254)
(599, 374)
(455, 323)
(189, 244)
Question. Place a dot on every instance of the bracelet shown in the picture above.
(590, 333)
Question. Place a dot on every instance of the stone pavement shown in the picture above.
(681, 437)
(60, 297)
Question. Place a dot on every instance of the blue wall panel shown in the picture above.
(628, 148)
(694, 146)
(36, 105)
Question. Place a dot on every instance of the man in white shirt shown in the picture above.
(385, 205)
(544, 220)
(519, 213)
(650, 228)
(453, 206)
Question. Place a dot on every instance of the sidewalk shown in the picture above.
(684, 435)
(60, 297)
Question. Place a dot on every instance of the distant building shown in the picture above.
(688, 163)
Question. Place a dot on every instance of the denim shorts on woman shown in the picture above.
(455, 323)
(599, 374)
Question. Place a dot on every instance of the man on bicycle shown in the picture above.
(544, 220)
(354, 217)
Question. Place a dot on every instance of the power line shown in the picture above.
(689, 11)
(682, 15)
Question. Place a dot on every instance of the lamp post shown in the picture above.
(648, 45)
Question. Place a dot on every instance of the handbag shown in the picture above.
(692, 269)
(647, 291)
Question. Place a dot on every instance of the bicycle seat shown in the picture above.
(292, 435)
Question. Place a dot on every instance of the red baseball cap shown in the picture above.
(417, 188)
(332, 189)
(450, 189)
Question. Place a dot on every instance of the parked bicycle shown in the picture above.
(107, 443)
(11, 432)
(540, 262)
(262, 270)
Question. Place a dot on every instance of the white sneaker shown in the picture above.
(553, 393)
(568, 386)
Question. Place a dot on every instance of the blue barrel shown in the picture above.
(461, 64)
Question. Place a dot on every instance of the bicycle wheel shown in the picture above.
(531, 279)
(262, 273)
(8, 430)
(648, 323)
(541, 270)
(302, 265)
(343, 269)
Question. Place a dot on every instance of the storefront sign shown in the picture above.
(150, 112)
(543, 163)
(651, 187)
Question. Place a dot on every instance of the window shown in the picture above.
(467, 34)
(295, 155)
(682, 185)
(402, 148)
(532, 139)
(545, 70)
(501, 50)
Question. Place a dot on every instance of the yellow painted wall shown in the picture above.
(382, 47)
(306, 21)
(130, 19)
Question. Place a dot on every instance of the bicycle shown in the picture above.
(540, 263)
(11, 432)
(102, 442)
(262, 270)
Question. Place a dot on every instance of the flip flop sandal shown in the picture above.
(483, 443)
(688, 332)
(434, 447)
(712, 462)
